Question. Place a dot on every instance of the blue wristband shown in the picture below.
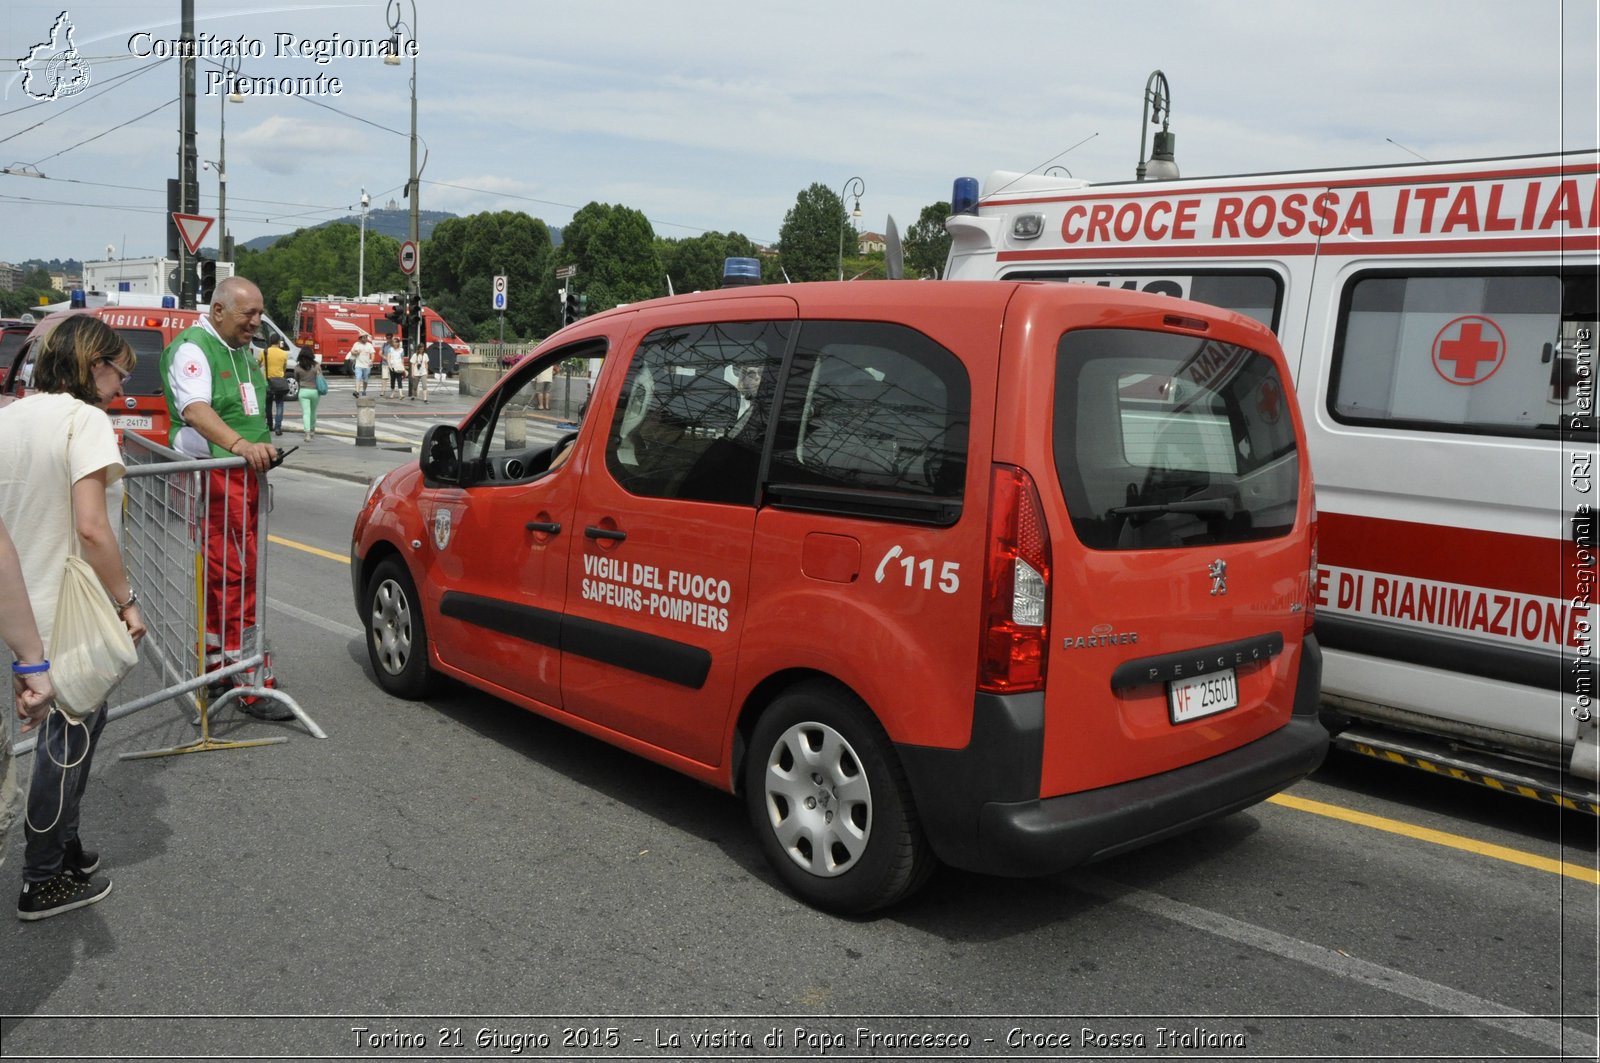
(18, 668)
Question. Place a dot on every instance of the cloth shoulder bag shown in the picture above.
(322, 384)
(90, 649)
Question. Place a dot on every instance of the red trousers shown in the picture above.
(232, 513)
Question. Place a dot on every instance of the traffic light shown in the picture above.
(570, 306)
(414, 318)
(206, 270)
(397, 311)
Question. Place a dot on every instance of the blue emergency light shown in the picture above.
(738, 272)
(964, 196)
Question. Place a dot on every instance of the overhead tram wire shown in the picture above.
(61, 112)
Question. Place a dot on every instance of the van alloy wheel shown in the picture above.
(397, 640)
(829, 802)
(819, 802)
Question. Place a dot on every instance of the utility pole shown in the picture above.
(188, 159)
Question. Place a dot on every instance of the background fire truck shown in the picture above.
(1441, 320)
(329, 325)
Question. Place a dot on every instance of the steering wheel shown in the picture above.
(561, 445)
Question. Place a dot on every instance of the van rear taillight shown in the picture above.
(1016, 587)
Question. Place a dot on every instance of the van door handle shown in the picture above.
(614, 534)
(547, 527)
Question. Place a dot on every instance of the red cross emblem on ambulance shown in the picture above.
(1468, 350)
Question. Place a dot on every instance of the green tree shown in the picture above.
(461, 260)
(927, 242)
(808, 241)
(614, 249)
(695, 264)
(321, 261)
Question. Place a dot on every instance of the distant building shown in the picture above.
(10, 277)
(870, 243)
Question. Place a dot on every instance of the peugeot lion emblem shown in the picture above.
(1218, 571)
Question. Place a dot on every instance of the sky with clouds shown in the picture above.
(714, 115)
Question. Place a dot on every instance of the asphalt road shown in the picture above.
(459, 878)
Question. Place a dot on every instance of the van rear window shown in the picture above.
(1164, 440)
(147, 346)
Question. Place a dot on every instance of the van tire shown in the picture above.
(855, 794)
(397, 636)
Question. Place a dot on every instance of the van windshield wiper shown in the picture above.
(1223, 507)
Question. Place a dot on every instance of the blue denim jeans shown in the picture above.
(61, 762)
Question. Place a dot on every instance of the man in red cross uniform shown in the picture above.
(216, 397)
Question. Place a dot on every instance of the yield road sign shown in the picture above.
(192, 228)
(408, 257)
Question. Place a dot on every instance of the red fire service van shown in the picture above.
(330, 325)
(1440, 321)
(1008, 576)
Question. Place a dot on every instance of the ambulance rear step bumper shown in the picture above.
(1443, 757)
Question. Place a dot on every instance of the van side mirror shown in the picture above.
(441, 455)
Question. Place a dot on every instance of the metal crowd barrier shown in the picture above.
(174, 519)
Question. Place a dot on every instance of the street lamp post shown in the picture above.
(396, 23)
(1157, 108)
(361, 268)
(860, 190)
(230, 75)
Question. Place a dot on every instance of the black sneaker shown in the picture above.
(63, 893)
(80, 861)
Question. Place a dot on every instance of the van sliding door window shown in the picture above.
(1164, 440)
(873, 422)
(1503, 353)
(693, 414)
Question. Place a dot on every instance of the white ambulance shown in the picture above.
(1441, 320)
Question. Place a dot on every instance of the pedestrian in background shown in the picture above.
(306, 372)
(361, 355)
(542, 384)
(213, 389)
(394, 360)
(58, 462)
(419, 372)
(274, 361)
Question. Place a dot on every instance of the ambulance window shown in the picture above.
(147, 345)
(693, 414)
(1164, 440)
(1486, 353)
(871, 411)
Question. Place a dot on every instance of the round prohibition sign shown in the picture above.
(1468, 350)
(408, 257)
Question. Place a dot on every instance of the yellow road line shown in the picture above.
(291, 544)
(1437, 837)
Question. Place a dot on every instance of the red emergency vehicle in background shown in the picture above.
(1440, 319)
(148, 330)
(329, 325)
